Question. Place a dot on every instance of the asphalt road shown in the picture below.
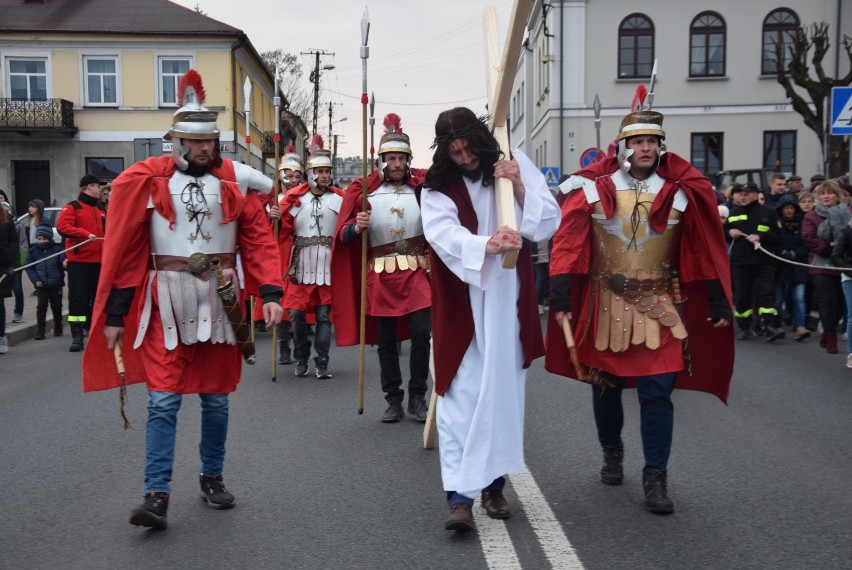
(761, 483)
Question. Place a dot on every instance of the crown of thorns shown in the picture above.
(481, 120)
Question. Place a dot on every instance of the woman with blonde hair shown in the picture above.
(820, 229)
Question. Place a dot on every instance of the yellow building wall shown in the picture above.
(215, 70)
(65, 75)
(138, 79)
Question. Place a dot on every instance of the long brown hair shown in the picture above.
(462, 123)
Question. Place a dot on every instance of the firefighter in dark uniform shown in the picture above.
(752, 271)
(81, 220)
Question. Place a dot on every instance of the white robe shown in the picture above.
(481, 417)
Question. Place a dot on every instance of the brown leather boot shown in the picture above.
(461, 518)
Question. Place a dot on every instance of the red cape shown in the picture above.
(346, 268)
(126, 247)
(701, 256)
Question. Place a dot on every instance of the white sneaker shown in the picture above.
(849, 360)
(18, 318)
(4, 345)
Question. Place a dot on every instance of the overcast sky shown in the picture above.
(425, 57)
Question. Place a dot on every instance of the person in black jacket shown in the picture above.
(752, 271)
(48, 278)
(8, 253)
(790, 280)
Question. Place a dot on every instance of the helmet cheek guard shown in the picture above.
(312, 178)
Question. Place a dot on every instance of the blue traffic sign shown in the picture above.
(551, 175)
(841, 111)
(591, 156)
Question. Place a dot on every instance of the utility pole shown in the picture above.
(315, 79)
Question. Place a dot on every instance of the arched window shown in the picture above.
(779, 26)
(635, 47)
(707, 45)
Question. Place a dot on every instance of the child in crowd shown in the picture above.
(48, 278)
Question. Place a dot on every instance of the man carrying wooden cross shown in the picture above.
(486, 328)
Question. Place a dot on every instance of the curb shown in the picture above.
(19, 332)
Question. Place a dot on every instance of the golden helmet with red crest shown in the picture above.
(641, 120)
(393, 139)
(291, 160)
(192, 121)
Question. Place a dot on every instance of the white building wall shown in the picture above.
(742, 104)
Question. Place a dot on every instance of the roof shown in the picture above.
(110, 16)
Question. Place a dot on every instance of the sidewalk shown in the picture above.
(17, 333)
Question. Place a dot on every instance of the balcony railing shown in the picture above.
(37, 114)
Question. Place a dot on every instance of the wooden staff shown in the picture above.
(365, 54)
(677, 300)
(430, 430)
(572, 349)
(122, 390)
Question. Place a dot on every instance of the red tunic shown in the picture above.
(388, 294)
(198, 368)
(701, 256)
(299, 296)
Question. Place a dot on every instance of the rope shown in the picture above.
(791, 262)
(2, 277)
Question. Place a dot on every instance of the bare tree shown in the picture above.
(198, 9)
(795, 71)
(299, 101)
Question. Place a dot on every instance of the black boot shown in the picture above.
(76, 338)
(40, 331)
(152, 512)
(772, 332)
(612, 473)
(394, 413)
(284, 353)
(656, 496)
(57, 328)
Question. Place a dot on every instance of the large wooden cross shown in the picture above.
(499, 78)
(500, 73)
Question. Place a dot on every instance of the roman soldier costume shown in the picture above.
(308, 218)
(642, 268)
(397, 273)
(174, 222)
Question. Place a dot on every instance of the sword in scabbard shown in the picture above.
(231, 302)
(677, 301)
(122, 390)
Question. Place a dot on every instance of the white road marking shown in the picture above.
(555, 544)
(495, 542)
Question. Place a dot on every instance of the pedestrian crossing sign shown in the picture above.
(841, 111)
(551, 175)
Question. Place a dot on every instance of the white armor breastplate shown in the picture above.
(197, 203)
(314, 217)
(394, 214)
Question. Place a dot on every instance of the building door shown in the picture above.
(32, 180)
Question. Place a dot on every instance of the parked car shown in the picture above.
(50, 215)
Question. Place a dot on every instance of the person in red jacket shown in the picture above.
(83, 221)
(397, 278)
(629, 223)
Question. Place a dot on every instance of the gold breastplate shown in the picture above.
(631, 279)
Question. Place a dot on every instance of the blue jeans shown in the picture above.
(454, 498)
(322, 335)
(18, 292)
(656, 415)
(793, 296)
(162, 427)
(847, 293)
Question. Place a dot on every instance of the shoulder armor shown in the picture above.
(251, 179)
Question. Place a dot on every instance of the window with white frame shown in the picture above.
(27, 78)
(101, 80)
(170, 69)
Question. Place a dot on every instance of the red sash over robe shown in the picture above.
(701, 256)
(346, 268)
(452, 316)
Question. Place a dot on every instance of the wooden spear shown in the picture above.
(276, 100)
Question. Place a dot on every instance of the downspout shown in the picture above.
(561, 85)
(234, 121)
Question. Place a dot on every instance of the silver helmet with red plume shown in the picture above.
(393, 140)
(192, 121)
(640, 121)
(318, 157)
